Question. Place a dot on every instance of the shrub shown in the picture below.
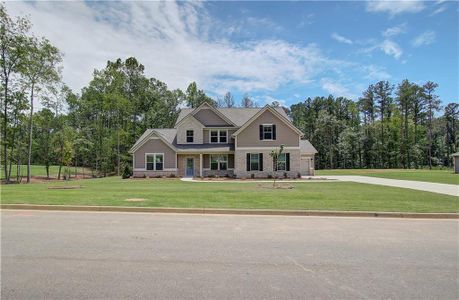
(298, 175)
(285, 175)
(252, 176)
(171, 175)
(270, 176)
(127, 172)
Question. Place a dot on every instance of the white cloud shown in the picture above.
(396, 30)
(438, 10)
(335, 88)
(395, 7)
(341, 38)
(389, 47)
(376, 73)
(174, 42)
(425, 38)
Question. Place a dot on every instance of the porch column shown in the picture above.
(200, 165)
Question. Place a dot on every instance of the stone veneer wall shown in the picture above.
(240, 169)
(153, 174)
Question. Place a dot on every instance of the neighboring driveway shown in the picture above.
(81, 255)
(440, 188)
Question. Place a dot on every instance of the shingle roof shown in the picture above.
(307, 147)
(237, 115)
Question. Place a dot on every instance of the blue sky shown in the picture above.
(284, 51)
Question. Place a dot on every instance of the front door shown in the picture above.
(189, 167)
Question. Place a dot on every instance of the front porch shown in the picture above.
(205, 164)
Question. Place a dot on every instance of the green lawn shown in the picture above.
(440, 176)
(344, 196)
(38, 170)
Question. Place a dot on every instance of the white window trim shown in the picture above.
(218, 165)
(218, 136)
(154, 161)
(271, 139)
(250, 162)
(186, 136)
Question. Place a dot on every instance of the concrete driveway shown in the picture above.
(84, 255)
(440, 188)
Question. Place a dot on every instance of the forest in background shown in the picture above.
(389, 126)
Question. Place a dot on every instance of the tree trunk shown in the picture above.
(60, 163)
(118, 149)
(30, 135)
(5, 131)
(430, 136)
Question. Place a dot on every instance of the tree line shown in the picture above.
(389, 126)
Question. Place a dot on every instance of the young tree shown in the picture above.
(13, 34)
(433, 105)
(275, 154)
(40, 68)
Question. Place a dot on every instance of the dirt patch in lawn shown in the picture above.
(276, 187)
(65, 187)
(135, 199)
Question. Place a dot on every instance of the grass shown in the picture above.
(343, 196)
(439, 176)
(39, 170)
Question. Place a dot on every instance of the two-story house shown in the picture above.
(224, 141)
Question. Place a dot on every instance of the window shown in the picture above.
(218, 162)
(214, 136)
(222, 136)
(189, 136)
(219, 136)
(254, 162)
(150, 161)
(154, 161)
(267, 132)
(282, 162)
(159, 162)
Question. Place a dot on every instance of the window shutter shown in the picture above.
(260, 161)
(274, 131)
(248, 161)
(287, 161)
(261, 132)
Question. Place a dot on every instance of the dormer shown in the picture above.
(190, 131)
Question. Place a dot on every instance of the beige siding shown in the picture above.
(206, 136)
(190, 124)
(154, 146)
(209, 118)
(307, 165)
(206, 161)
(241, 168)
(250, 136)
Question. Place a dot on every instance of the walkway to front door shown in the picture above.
(190, 167)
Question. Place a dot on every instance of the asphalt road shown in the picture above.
(74, 255)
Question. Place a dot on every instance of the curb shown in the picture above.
(264, 212)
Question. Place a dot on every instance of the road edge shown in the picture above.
(265, 212)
